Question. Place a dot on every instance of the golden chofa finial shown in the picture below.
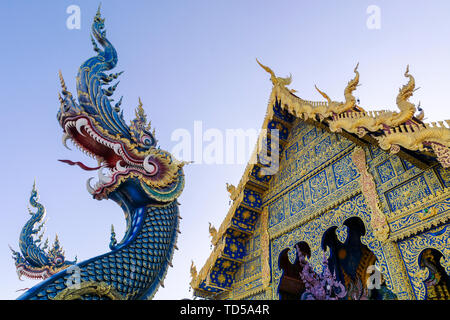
(232, 190)
(276, 80)
(408, 89)
(323, 94)
(352, 84)
(194, 272)
(212, 230)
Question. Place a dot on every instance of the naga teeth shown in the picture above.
(80, 124)
(117, 149)
(88, 186)
(64, 140)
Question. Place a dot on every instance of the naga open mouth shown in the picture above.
(113, 158)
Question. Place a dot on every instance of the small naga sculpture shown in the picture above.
(334, 107)
(312, 110)
(232, 190)
(360, 123)
(194, 272)
(36, 260)
(212, 230)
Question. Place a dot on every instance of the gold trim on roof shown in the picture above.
(398, 129)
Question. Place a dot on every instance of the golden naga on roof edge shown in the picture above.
(397, 129)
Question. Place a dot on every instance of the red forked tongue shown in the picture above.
(81, 165)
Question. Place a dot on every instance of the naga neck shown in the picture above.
(134, 203)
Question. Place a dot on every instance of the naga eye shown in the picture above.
(59, 260)
(147, 140)
(150, 166)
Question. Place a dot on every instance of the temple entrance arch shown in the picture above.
(353, 263)
(438, 281)
(291, 287)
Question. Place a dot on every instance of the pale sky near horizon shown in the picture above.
(191, 61)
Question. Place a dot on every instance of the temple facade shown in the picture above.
(363, 195)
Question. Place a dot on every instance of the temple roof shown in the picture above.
(399, 132)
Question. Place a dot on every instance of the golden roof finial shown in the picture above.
(276, 80)
(406, 92)
(232, 191)
(212, 230)
(193, 271)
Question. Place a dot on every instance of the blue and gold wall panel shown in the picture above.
(259, 176)
(252, 199)
(237, 234)
(221, 275)
(309, 149)
(408, 192)
(247, 279)
(244, 219)
(443, 176)
(234, 249)
(399, 183)
(283, 130)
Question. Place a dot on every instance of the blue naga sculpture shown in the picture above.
(37, 260)
(132, 171)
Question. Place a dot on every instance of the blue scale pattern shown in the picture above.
(133, 270)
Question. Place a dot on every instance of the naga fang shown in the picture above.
(132, 171)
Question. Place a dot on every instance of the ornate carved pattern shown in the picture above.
(265, 246)
(443, 154)
(386, 171)
(368, 188)
(407, 193)
(89, 288)
(318, 186)
(439, 239)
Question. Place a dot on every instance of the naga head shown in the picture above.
(276, 80)
(408, 89)
(125, 153)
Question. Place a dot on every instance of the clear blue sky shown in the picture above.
(188, 61)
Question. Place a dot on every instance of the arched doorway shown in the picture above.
(354, 264)
(291, 287)
(438, 281)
